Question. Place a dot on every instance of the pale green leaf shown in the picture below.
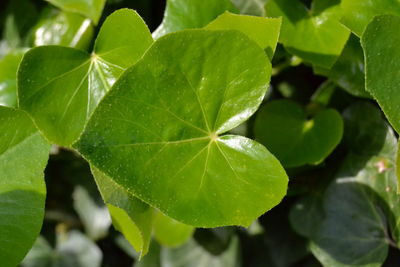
(169, 232)
(159, 132)
(23, 157)
(250, 7)
(264, 31)
(60, 87)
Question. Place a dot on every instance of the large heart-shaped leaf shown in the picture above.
(60, 87)
(315, 34)
(130, 216)
(8, 77)
(264, 31)
(380, 43)
(358, 13)
(23, 157)
(64, 28)
(282, 126)
(158, 132)
(183, 14)
(88, 8)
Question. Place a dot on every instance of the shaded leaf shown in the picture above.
(283, 127)
(23, 157)
(379, 42)
(250, 7)
(157, 133)
(88, 8)
(60, 87)
(169, 232)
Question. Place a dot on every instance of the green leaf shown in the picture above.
(158, 131)
(264, 31)
(348, 71)
(23, 157)
(130, 216)
(283, 127)
(183, 14)
(95, 219)
(193, 255)
(169, 232)
(361, 204)
(65, 29)
(60, 87)
(315, 34)
(88, 8)
(8, 77)
(379, 42)
(358, 13)
(250, 7)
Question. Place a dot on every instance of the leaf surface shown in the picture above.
(282, 126)
(358, 13)
(264, 31)
(157, 133)
(60, 87)
(315, 34)
(23, 157)
(183, 14)
(88, 8)
(250, 7)
(8, 77)
(382, 62)
(65, 29)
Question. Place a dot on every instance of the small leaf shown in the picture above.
(65, 29)
(315, 34)
(348, 71)
(130, 216)
(183, 14)
(171, 233)
(88, 8)
(8, 77)
(382, 55)
(157, 131)
(264, 31)
(358, 13)
(283, 127)
(23, 157)
(191, 254)
(60, 87)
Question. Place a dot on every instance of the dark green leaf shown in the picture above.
(158, 131)
(283, 127)
(60, 87)
(23, 157)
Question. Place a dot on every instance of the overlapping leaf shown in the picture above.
(60, 87)
(382, 62)
(23, 157)
(88, 8)
(264, 31)
(282, 126)
(250, 7)
(183, 14)
(315, 34)
(132, 217)
(65, 29)
(158, 132)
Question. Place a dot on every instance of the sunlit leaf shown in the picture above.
(159, 132)
(88, 8)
